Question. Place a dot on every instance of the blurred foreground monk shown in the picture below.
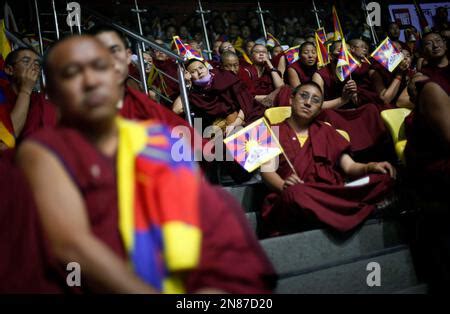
(316, 192)
(104, 188)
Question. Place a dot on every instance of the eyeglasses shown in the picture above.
(314, 99)
(27, 61)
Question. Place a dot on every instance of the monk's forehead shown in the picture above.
(229, 58)
(77, 50)
(311, 89)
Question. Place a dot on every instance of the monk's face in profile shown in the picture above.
(307, 102)
(121, 54)
(83, 81)
(197, 70)
(336, 48)
(248, 47)
(434, 46)
(231, 63)
(308, 55)
(276, 51)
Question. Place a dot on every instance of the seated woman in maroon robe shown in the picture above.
(316, 191)
(219, 98)
(72, 172)
(437, 67)
(391, 86)
(342, 108)
(302, 70)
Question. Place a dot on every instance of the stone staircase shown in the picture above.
(320, 261)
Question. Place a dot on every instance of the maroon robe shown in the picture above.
(227, 94)
(41, 112)
(221, 250)
(387, 78)
(426, 153)
(169, 67)
(440, 76)
(366, 92)
(138, 106)
(262, 85)
(304, 72)
(25, 266)
(323, 197)
(362, 123)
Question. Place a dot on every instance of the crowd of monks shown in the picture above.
(59, 182)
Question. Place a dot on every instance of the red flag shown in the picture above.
(338, 34)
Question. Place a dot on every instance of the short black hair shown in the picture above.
(192, 60)
(310, 83)
(103, 28)
(13, 55)
(306, 43)
(227, 54)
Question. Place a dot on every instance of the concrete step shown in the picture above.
(250, 196)
(350, 277)
(318, 248)
(419, 289)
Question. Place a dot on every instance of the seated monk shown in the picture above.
(93, 211)
(361, 75)
(342, 108)
(302, 70)
(219, 98)
(315, 192)
(437, 67)
(29, 111)
(391, 87)
(427, 152)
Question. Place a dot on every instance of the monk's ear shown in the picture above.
(291, 99)
(129, 54)
(8, 70)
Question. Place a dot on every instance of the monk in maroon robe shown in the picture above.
(29, 110)
(314, 190)
(391, 86)
(135, 105)
(342, 109)
(79, 210)
(302, 70)
(427, 152)
(219, 96)
(437, 67)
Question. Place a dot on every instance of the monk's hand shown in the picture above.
(381, 167)
(291, 180)
(351, 87)
(28, 78)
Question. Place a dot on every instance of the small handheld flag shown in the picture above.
(322, 35)
(338, 34)
(292, 54)
(387, 55)
(346, 64)
(185, 50)
(254, 145)
(271, 41)
(322, 52)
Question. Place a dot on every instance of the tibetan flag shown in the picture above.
(5, 46)
(322, 35)
(161, 233)
(387, 55)
(185, 50)
(322, 52)
(338, 34)
(292, 55)
(345, 70)
(343, 61)
(271, 41)
(6, 126)
(254, 145)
